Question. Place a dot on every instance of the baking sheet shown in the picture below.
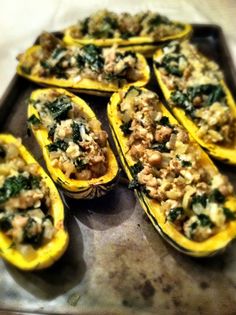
(116, 262)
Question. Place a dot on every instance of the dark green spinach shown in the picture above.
(136, 168)
(229, 214)
(15, 184)
(33, 120)
(57, 145)
(92, 55)
(175, 214)
(125, 127)
(60, 107)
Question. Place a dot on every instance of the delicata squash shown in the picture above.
(32, 232)
(141, 32)
(89, 69)
(186, 198)
(200, 100)
(74, 145)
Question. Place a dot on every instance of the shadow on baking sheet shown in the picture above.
(105, 212)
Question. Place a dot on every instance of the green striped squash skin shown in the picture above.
(94, 191)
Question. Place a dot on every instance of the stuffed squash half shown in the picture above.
(89, 69)
(32, 232)
(188, 201)
(141, 32)
(200, 100)
(74, 145)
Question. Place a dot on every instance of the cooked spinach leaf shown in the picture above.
(92, 55)
(5, 223)
(122, 55)
(78, 129)
(58, 145)
(175, 214)
(192, 228)
(84, 26)
(34, 181)
(76, 132)
(134, 184)
(132, 92)
(216, 196)
(60, 107)
(170, 63)
(205, 220)
(15, 184)
(126, 35)
(125, 127)
(57, 52)
(184, 163)
(80, 61)
(158, 19)
(107, 28)
(136, 168)
(160, 147)
(45, 64)
(181, 99)
(80, 164)
(51, 131)
(199, 199)
(164, 121)
(56, 69)
(33, 120)
(212, 93)
(31, 233)
(229, 214)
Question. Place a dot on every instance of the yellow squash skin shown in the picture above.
(226, 154)
(209, 247)
(85, 85)
(78, 189)
(49, 253)
(145, 45)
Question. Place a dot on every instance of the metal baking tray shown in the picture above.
(116, 262)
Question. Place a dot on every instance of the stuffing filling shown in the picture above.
(24, 201)
(107, 24)
(107, 65)
(168, 168)
(196, 87)
(78, 144)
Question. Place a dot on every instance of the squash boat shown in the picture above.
(89, 69)
(141, 32)
(74, 146)
(32, 232)
(186, 198)
(195, 90)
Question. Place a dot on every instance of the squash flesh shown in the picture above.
(208, 247)
(85, 85)
(141, 44)
(74, 187)
(47, 254)
(224, 153)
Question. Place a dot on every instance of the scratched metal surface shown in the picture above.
(116, 262)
